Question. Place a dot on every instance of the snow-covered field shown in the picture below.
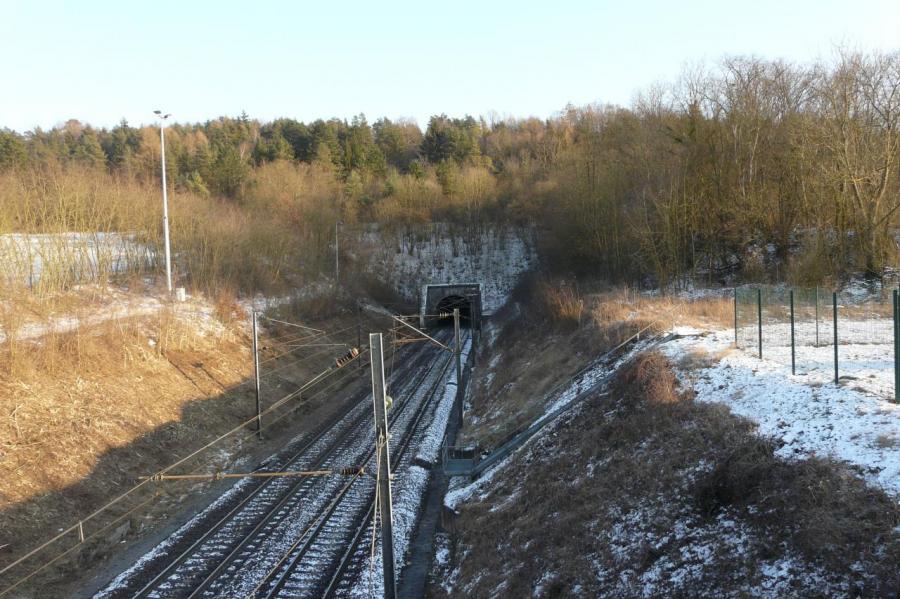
(73, 257)
(115, 304)
(807, 414)
(865, 351)
(855, 422)
(703, 541)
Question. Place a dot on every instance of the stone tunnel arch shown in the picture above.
(441, 300)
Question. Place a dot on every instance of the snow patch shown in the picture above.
(808, 413)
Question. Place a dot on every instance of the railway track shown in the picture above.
(330, 559)
(286, 537)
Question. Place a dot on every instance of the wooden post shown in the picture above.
(384, 469)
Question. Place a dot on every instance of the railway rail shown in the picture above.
(297, 537)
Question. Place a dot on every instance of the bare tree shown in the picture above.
(859, 102)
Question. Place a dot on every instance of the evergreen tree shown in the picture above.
(12, 149)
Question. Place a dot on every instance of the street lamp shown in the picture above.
(162, 143)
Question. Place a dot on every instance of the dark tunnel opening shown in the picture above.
(445, 307)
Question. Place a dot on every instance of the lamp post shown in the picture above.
(162, 143)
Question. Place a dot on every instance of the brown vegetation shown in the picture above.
(642, 458)
(577, 325)
(698, 178)
(87, 411)
(72, 396)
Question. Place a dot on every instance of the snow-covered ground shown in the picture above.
(865, 351)
(116, 304)
(496, 258)
(855, 422)
(309, 290)
(558, 401)
(725, 538)
(73, 257)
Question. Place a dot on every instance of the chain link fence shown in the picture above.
(816, 331)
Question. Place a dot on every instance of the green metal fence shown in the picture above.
(817, 331)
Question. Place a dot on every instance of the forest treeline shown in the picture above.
(730, 169)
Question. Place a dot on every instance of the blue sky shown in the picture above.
(101, 60)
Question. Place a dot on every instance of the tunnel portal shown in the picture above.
(441, 300)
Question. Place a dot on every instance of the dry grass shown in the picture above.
(71, 396)
(698, 359)
(92, 409)
(65, 226)
(650, 377)
(226, 308)
(562, 303)
(887, 441)
(819, 507)
(576, 328)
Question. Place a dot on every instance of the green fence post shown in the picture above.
(896, 346)
(834, 309)
(759, 318)
(817, 316)
(735, 318)
(793, 350)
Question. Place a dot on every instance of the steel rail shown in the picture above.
(289, 495)
(181, 558)
(349, 554)
(404, 444)
(323, 455)
(347, 557)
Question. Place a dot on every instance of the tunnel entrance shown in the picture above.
(440, 301)
(446, 306)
